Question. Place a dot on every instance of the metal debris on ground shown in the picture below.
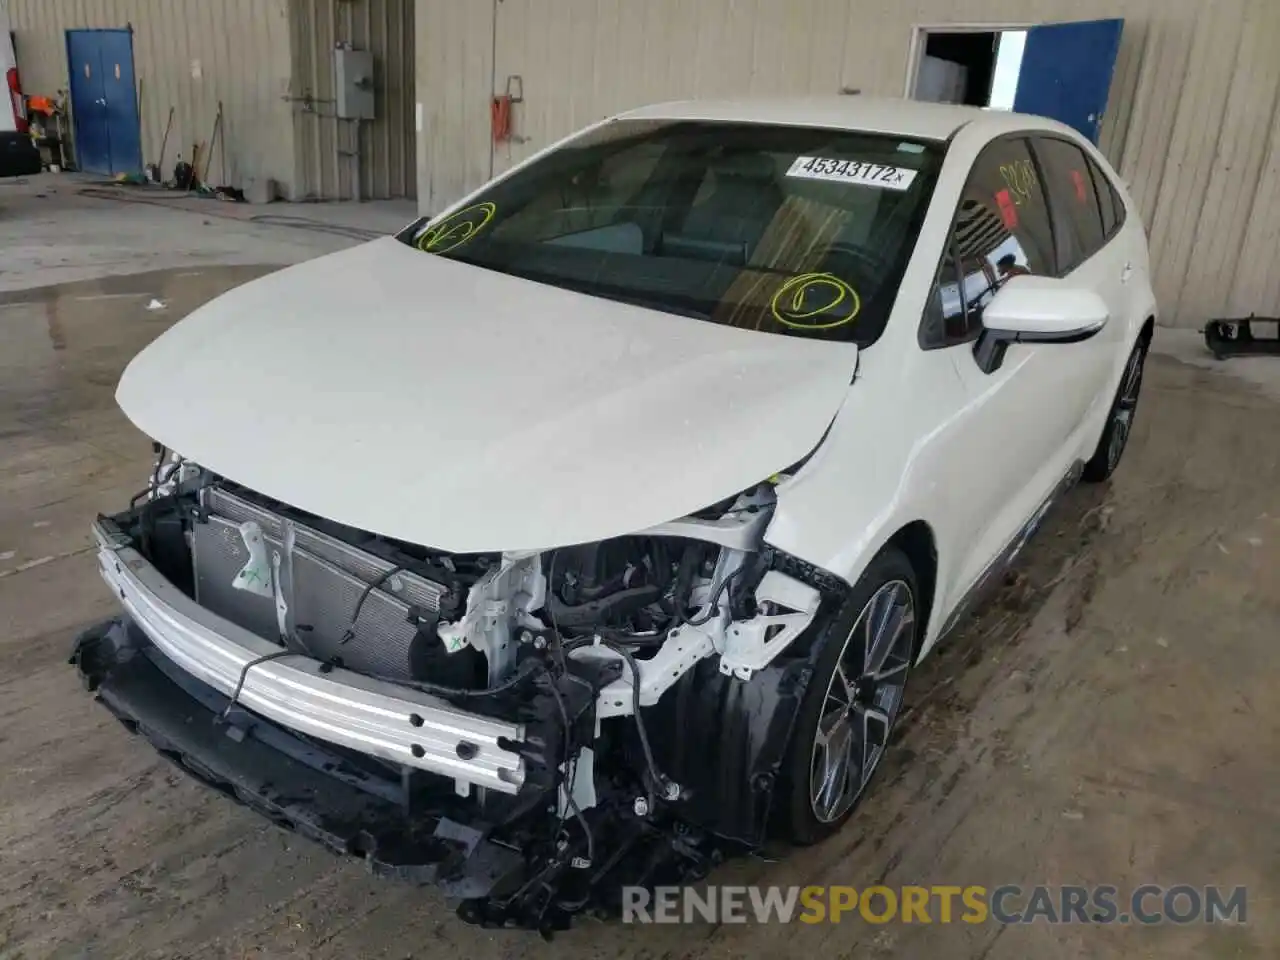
(1235, 338)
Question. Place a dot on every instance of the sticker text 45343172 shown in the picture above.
(863, 172)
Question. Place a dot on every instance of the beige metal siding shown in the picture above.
(1218, 149)
(1193, 124)
(326, 165)
(454, 83)
(188, 55)
(1257, 281)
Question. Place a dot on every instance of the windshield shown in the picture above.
(788, 230)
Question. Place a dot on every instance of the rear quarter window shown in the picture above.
(1113, 213)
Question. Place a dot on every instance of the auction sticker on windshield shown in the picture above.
(863, 172)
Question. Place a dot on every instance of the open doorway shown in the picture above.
(1058, 70)
(974, 66)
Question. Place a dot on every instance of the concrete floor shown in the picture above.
(1110, 718)
(59, 228)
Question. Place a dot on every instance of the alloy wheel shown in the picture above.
(862, 701)
(1126, 406)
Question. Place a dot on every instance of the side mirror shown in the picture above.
(1037, 310)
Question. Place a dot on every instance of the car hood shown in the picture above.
(451, 406)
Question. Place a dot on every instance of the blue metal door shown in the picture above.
(88, 101)
(123, 125)
(104, 101)
(1066, 72)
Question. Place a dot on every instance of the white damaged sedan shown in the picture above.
(587, 533)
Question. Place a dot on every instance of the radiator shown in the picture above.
(321, 587)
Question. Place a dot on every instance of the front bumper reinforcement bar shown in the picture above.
(384, 720)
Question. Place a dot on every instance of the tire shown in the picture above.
(814, 801)
(1124, 407)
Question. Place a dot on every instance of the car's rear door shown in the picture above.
(1089, 251)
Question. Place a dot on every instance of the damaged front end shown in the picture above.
(530, 732)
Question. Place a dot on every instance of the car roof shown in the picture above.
(896, 116)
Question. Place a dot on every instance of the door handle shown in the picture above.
(1127, 273)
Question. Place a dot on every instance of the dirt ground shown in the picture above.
(1111, 718)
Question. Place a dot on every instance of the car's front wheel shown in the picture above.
(853, 700)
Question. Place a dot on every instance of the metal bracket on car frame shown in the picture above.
(751, 645)
(745, 646)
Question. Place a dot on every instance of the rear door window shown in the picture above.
(1077, 211)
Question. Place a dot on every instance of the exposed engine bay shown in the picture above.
(538, 728)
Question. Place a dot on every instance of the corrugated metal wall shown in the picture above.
(454, 46)
(1192, 123)
(188, 55)
(326, 166)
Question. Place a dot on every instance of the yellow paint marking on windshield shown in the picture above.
(815, 301)
(457, 228)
